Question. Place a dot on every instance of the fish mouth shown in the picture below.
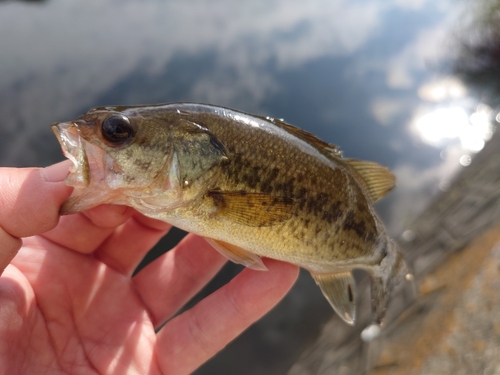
(86, 174)
(73, 148)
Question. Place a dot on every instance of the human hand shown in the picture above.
(68, 303)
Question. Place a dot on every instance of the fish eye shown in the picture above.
(117, 130)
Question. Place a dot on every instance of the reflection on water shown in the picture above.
(359, 74)
(447, 88)
(465, 160)
(442, 124)
(27, 1)
(478, 49)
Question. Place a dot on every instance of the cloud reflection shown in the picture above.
(66, 54)
(442, 89)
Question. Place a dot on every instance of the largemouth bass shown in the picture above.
(252, 186)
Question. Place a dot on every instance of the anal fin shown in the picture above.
(238, 255)
(340, 290)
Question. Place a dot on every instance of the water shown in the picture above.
(374, 77)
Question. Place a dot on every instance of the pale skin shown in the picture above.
(68, 303)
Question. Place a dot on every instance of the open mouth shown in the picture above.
(73, 148)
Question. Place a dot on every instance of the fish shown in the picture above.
(253, 186)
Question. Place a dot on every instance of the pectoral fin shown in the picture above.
(238, 255)
(252, 209)
(340, 290)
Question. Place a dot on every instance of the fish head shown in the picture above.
(117, 156)
(144, 158)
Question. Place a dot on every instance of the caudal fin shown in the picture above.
(391, 272)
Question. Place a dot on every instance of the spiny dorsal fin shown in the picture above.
(327, 149)
(377, 178)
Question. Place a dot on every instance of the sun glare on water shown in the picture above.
(448, 121)
(440, 126)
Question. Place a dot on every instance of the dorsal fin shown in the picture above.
(328, 149)
(377, 178)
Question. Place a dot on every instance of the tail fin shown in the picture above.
(391, 272)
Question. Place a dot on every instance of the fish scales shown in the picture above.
(252, 186)
(325, 200)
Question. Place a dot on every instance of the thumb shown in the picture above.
(30, 199)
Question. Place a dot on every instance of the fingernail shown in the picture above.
(56, 172)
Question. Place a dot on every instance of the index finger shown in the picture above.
(30, 199)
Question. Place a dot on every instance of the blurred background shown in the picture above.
(411, 84)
